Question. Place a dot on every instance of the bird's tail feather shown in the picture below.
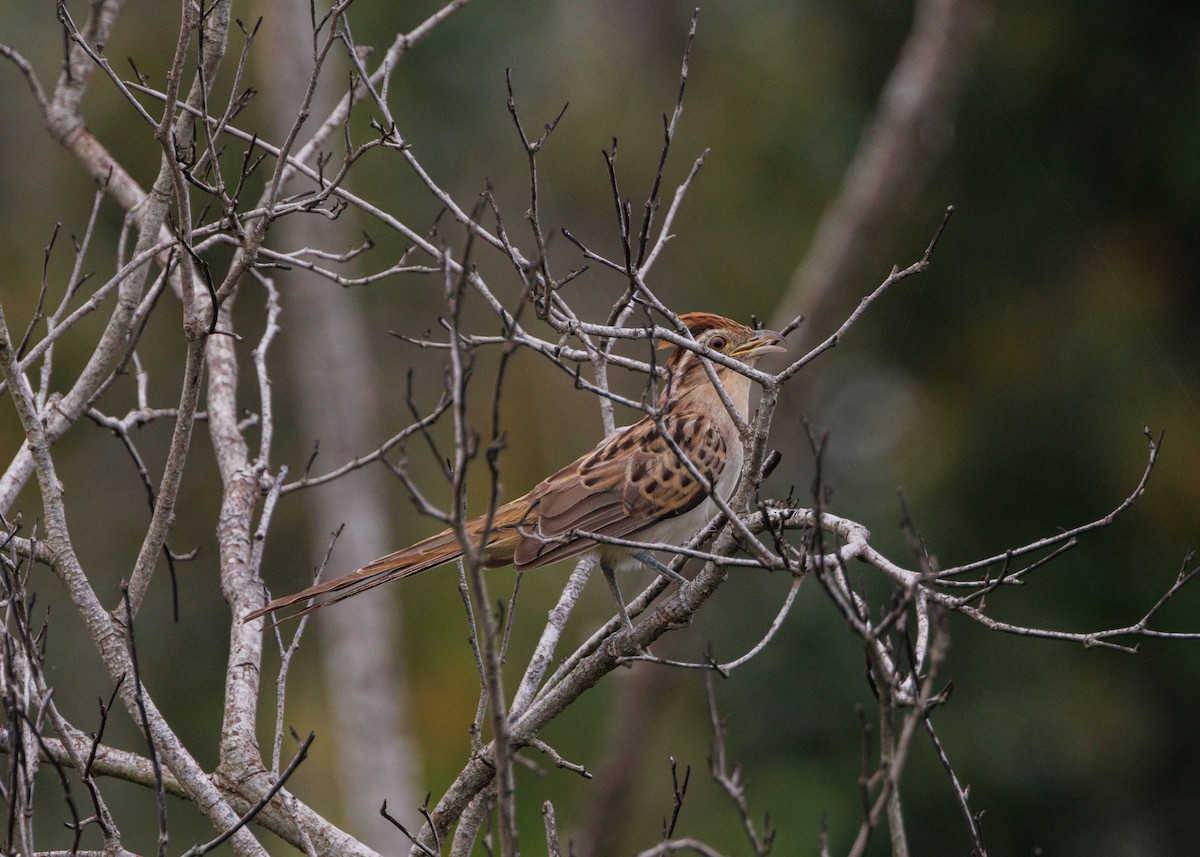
(414, 559)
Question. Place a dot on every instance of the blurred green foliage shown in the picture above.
(1005, 391)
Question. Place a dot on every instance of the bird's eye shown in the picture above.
(718, 343)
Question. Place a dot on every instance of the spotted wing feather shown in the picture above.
(628, 483)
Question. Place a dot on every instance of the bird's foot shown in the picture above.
(611, 579)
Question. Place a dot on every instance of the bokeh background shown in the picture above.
(1005, 391)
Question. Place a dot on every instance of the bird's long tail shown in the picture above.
(411, 560)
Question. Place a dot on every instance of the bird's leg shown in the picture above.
(611, 577)
(651, 562)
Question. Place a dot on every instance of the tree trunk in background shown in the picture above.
(913, 126)
(642, 701)
(364, 669)
(336, 382)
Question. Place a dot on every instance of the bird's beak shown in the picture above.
(762, 342)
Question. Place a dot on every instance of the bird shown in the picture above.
(634, 484)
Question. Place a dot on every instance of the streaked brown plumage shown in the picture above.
(633, 485)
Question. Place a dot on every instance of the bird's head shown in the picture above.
(723, 335)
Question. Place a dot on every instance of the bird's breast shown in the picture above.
(680, 528)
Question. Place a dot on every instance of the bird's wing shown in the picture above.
(630, 481)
